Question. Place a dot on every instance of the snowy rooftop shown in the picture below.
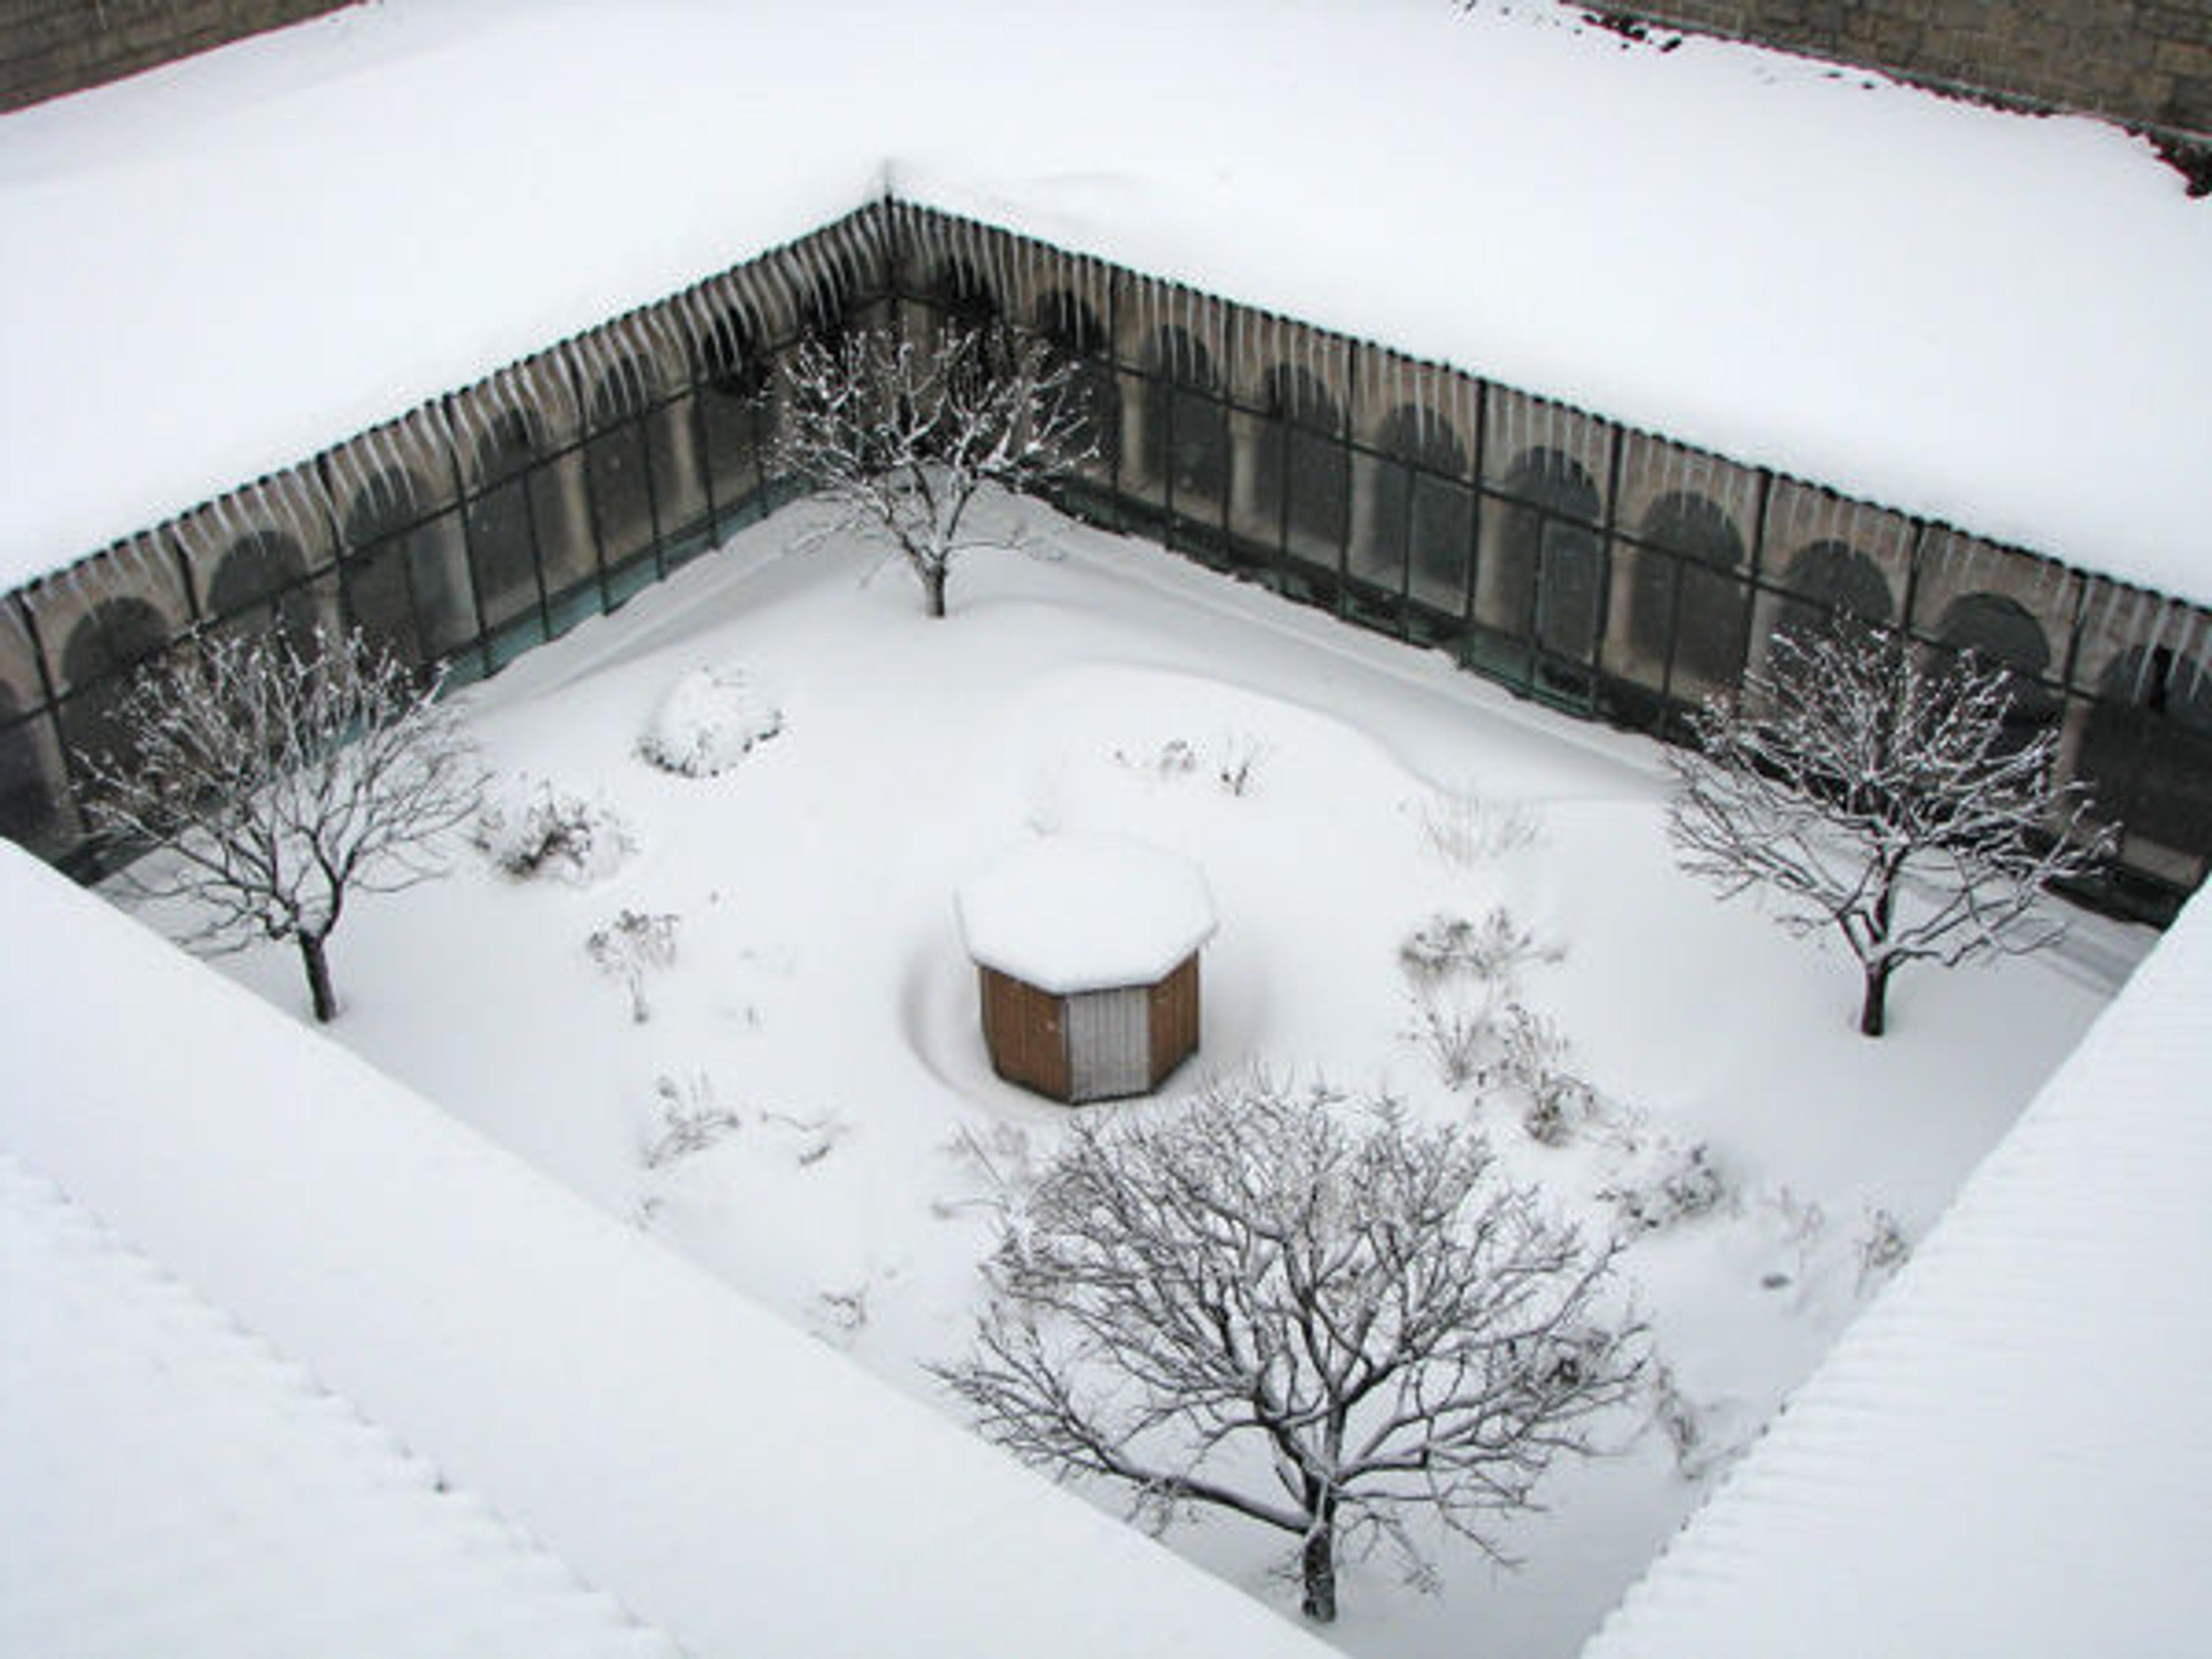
(733, 1481)
(2007, 1454)
(1086, 913)
(218, 268)
(175, 1486)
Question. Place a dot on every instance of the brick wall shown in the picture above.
(49, 48)
(2145, 61)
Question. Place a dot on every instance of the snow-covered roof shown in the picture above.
(175, 1486)
(733, 1481)
(2007, 1454)
(214, 270)
(1073, 912)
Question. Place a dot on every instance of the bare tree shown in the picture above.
(277, 782)
(901, 435)
(1321, 1326)
(1886, 798)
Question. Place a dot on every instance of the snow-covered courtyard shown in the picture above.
(807, 1110)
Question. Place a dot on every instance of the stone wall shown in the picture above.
(49, 48)
(2148, 63)
(1605, 571)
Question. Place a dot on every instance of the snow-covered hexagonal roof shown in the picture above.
(1086, 913)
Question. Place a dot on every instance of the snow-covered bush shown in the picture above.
(709, 721)
(1674, 1182)
(527, 828)
(630, 946)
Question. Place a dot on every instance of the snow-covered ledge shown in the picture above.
(2007, 1452)
(729, 1479)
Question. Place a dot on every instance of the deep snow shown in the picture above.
(809, 1113)
(215, 269)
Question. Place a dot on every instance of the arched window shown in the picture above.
(399, 590)
(1692, 605)
(619, 462)
(735, 370)
(1553, 566)
(503, 540)
(1185, 430)
(256, 586)
(2147, 749)
(1833, 579)
(825, 304)
(1072, 329)
(1418, 510)
(1304, 469)
(26, 798)
(102, 650)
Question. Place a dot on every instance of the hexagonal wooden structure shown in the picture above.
(1086, 955)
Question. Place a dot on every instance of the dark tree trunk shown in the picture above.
(1879, 963)
(319, 977)
(1873, 1009)
(932, 590)
(1317, 1562)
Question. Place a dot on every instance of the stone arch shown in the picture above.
(1412, 512)
(1833, 579)
(1553, 566)
(257, 585)
(503, 536)
(963, 295)
(1304, 469)
(1072, 330)
(255, 567)
(2147, 746)
(1692, 603)
(1185, 428)
(2003, 632)
(104, 646)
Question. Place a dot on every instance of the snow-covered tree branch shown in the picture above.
(1319, 1321)
(1865, 791)
(274, 783)
(902, 435)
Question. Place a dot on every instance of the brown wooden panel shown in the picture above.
(1024, 1031)
(1175, 1018)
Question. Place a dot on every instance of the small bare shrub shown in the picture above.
(630, 947)
(1532, 1063)
(1464, 829)
(1492, 952)
(1883, 1249)
(687, 1121)
(1237, 764)
(1451, 1024)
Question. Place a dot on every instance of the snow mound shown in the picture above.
(1070, 914)
(528, 829)
(708, 722)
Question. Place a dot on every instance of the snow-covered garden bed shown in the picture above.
(745, 1021)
